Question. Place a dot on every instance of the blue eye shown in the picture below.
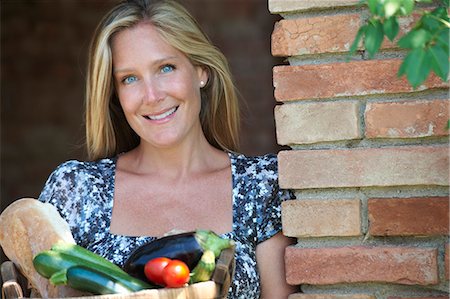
(129, 79)
(167, 68)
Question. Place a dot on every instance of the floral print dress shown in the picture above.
(83, 194)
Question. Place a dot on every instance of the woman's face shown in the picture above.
(157, 85)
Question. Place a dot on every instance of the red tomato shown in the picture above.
(153, 269)
(176, 274)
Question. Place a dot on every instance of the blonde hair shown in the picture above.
(107, 131)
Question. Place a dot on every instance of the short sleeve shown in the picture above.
(62, 191)
(270, 198)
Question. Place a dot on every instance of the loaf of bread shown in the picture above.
(27, 227)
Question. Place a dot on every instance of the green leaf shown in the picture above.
(359, 34)
(391, 7)
(430, 22)
(407, 7)
(376, 7)
(416, 66)
(404, 66)
(373, 4)
(440, 12)
(446, 3)
(391, 28)
(420, 73)
(374, 37)
(442, 39)
(448, 124)
(439, 61)
(416, 38)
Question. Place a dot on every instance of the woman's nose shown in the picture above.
(153, 91)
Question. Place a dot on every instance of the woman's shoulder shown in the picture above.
(251, 164)
(91, 168)
(76, 177)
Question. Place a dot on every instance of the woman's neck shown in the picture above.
(175, 162)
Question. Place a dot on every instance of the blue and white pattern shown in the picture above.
(83, 194)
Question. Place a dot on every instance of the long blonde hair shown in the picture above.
(107, 131)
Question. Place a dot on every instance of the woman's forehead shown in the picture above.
(142, 42)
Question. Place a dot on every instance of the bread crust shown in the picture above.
(27, 227)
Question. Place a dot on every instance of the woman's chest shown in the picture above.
(151, 206)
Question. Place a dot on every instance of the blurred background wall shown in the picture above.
(43, 58)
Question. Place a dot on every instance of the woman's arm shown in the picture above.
(270, 259)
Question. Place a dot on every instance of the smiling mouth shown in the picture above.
(162, 115)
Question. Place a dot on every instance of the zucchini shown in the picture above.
(96, 282)
(204, 269)
(54, 266)
(85, 254)
(50, 262)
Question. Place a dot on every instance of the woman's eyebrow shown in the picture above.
(155, 62)
(123, 70)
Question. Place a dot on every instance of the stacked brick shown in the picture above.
(369, 161)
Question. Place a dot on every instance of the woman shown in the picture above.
(162, 125)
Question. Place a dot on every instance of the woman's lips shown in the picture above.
(162, 115)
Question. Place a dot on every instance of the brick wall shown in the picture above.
(368, 161)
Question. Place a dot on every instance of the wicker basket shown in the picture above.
(216, 288)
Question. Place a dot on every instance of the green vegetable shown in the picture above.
(204, 268)
(50, 262)
(210, 241)
(85, 254)
(54, 265)
(96, 282)
(187, 247)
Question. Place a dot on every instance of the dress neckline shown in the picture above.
(112, 180)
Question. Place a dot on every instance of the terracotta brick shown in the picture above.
(331, 121)
(364, 167)
(400, 265)
(277, 6)
(446, 261)
(314, 35)
(407, 119)
(320, 81)
(331, 296)
(307, 35)
(408, 216)
(318, 218)
(324, 34)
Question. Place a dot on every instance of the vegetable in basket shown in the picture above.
(73, 265)
(166, 272)
(188, 247)
(204, 269)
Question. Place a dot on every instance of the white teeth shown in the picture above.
(162, 115)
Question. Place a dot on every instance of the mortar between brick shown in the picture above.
(380, 291)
